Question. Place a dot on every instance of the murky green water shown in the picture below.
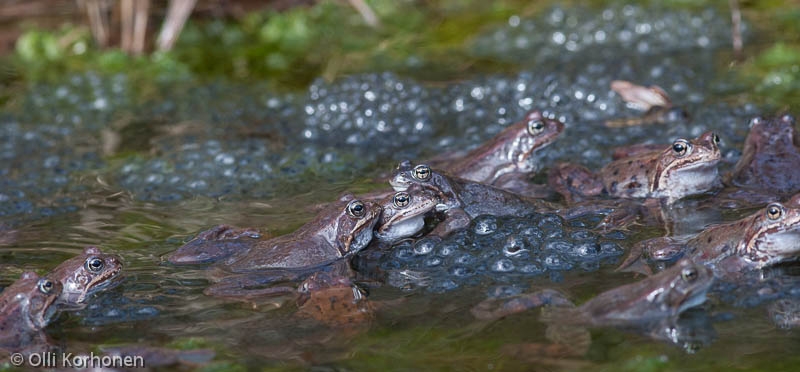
(92, 161)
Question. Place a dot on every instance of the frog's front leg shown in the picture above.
(455, 219)
(574, 182)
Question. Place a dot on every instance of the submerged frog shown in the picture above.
(333, 300)
(26, 307)
(650, 304)
(765, 238)
(215, 244)
(462, 200)
(339, 231)
(513, 155)
(86, 274)
(770, 157)
(685, 168)
(404, 213)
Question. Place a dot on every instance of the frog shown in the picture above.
(652, 304)
(462, 200)
(83, 275)
(652, 100)
(686, 168)
(26, 308)
(769, 160)
(333, 300)
(765, 238)
(511, 157)
(336, 233)
(404, 214)
(215, 244)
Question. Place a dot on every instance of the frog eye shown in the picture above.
(681, 147)
(774, 211)
(535, 127)
(715, 137)
(45, 285)
(94, 264)
(689, 274)
(421, 172)
(401, 199)
(356, 209)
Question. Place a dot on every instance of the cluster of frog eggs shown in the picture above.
(498, 250)
(336, 129)
(31, 181)
(567, 35)
(83, 101)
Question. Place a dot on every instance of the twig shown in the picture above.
(96, 10)
(366, 12)
(177, 14)
(140, 26)
(126, 24)
(736, 28)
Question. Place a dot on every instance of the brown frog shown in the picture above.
(461, 200)
(685, 168)
(649, 304)
(513, 155)
(339, 231)
(86, 274)
(765, 238)
(404, 213)
(26, 307)
(770, 157)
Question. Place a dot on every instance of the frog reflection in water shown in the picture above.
(461, 200)
(685, 168)
(770, 159)
(86, 274)
(26, 307)
(339, 231)
(765, 238)
(511, 157)
(652, 304)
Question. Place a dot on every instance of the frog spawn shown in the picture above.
(497, 250)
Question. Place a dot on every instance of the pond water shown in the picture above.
(87, 161)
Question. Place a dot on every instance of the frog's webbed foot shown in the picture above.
(574, 182)
(214, 244)
(619, 219)
(657, 249)
(496, 308)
